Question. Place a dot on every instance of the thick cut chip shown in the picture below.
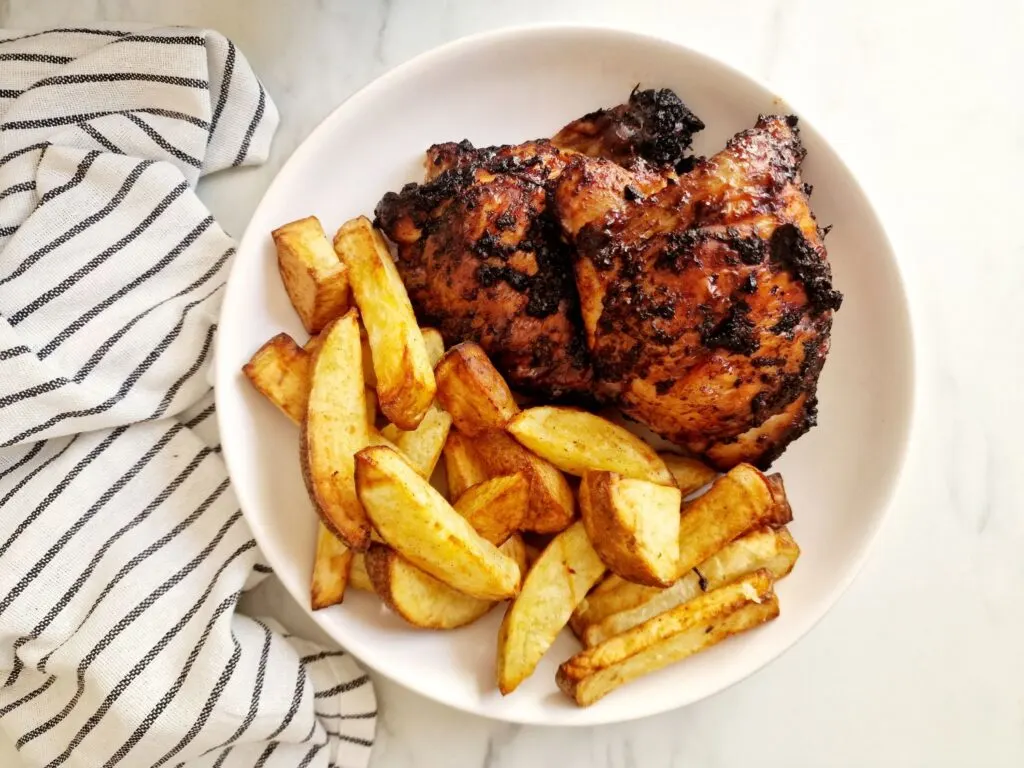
(690, 474)
(668, 638)
(415, 520)
(331, 567)
(472, 391)
(357, 576)
(404, 374)
(422, 600)
(633, 524)
(280, 372)
(463, 466)
(552, 506)
(763, 549)
(575, 440)
(315, 279)
(422, 446)
(334, 430)
(557, 582)
(434, 343)
(737, 502)
(496, 507)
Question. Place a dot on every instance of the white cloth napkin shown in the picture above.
(122, 548)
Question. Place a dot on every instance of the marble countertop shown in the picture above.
(921, 663)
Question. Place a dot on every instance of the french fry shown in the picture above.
(670, 637)
(737, 502)
(357, 575)
(470, 388)
(334, 429)
(280, 372)
(552, 506)
(574, 441)
(558, 580)
(763, 549)
(633, 524)
(422, 600)
(315, 279)
(690, 474)
(405, 377)
(462, 465)
(331, 567)
(415, 520)
(422, 446)
(496, 507)
(434, 343)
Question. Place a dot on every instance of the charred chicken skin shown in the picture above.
(608, 264)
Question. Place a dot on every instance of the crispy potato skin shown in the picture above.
(672, 636)
(496, 507)
(315, 280)
(463, 466)
(472, 391)
(422, 600)
(575, 441)
(279, 370)
(763, 549)
(333, 430)
(552, 506)
(331, 567)
(557, 582)
(414, 519)
(633, 524)
(403, 370)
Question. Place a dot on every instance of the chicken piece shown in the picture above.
(708, 305)
(483, 257)
(483, 260)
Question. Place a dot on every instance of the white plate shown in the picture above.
(504, 88)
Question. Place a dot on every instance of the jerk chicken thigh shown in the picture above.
(606, 263)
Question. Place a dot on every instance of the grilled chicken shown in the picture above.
(608, 264)
(482, 256)
(483, 260)
(707, 305)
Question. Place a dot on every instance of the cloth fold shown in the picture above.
(122, 549)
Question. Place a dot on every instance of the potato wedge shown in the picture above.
(552, 506)
(280, 372)
(690, 474)
(331, 566)
(575, 441)
(737, 502)
(368, 374)
(783, 511)
(422, 446)
(612, 595)
(470, 388)
(405, 377)
(334, 429)
(496, 507)
(762, 549)
(462, 465)
(422, 600)
(357, 575)
(434, 343)
(313, 345)
(669, 637)
(560, 578)
(314, 277)
(633, 524)
(414, 519)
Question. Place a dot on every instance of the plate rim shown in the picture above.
(457, 47)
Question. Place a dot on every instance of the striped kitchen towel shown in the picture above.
(122, 548)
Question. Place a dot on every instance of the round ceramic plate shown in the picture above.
(504, 88)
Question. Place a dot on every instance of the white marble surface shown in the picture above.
(922, 662)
